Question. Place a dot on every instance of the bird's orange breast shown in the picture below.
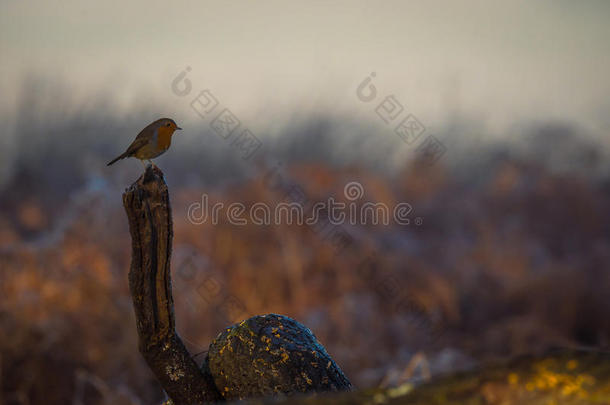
(164, 137)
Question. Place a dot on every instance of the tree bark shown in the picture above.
(150, 223)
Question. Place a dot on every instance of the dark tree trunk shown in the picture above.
(150, 222)
(282, 357)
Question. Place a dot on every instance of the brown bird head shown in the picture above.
(166, 126)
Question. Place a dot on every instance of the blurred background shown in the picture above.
(507, 172)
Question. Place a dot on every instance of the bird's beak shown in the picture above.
(178, 128)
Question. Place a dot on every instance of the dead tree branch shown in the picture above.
(150, 222)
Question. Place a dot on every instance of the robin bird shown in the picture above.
(151, 142)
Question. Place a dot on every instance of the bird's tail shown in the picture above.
(123, 156)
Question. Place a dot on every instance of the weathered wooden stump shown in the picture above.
(264, 355)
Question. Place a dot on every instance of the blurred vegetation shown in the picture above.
(512, 256)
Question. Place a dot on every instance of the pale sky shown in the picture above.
(502, 61)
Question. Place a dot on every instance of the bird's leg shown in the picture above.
(141, 161)
(150, 162)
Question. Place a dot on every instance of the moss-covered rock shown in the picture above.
(268, 355)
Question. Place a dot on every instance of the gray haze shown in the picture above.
(501, 62)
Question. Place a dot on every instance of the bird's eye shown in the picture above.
(168, 124)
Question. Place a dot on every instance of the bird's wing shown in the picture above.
(145, 132)
(145, 136)
(136, 144)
